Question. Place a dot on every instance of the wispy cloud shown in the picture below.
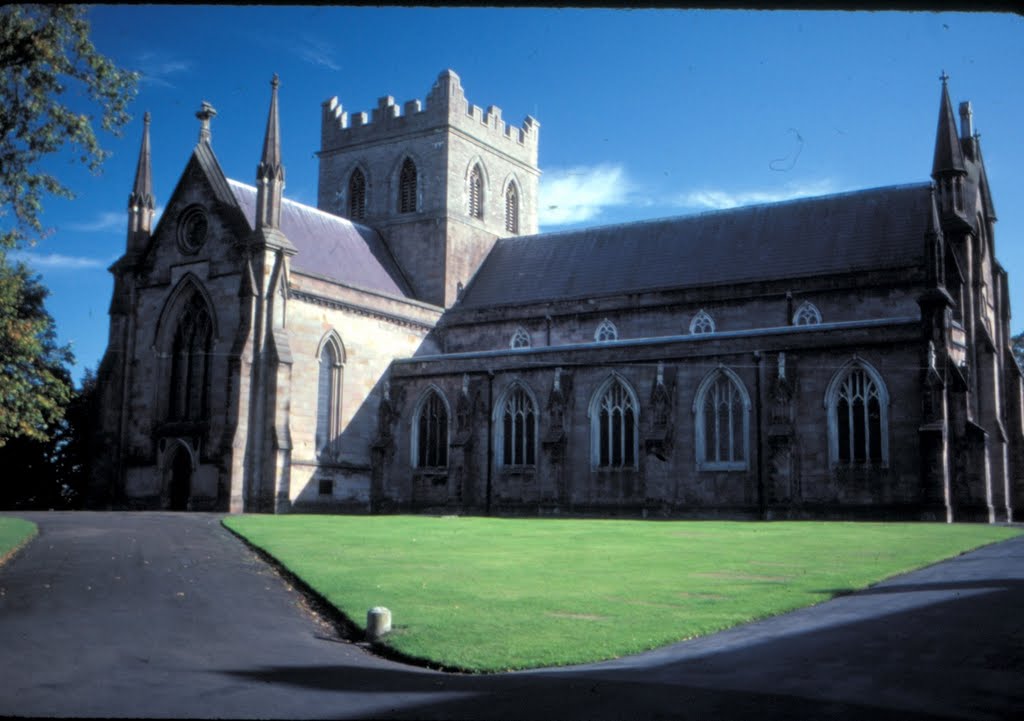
(715, 199)
(57, 261)
(574, 195)
(316, 52)
(104, 222)
(157, 69)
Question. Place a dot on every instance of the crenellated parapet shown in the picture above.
(446, 106)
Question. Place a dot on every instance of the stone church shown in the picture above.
(412, 344)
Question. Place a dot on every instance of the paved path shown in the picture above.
(168, 615)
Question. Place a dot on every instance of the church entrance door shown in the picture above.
(181, 479)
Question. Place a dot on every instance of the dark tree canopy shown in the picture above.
(51, 78)
(1018, 348)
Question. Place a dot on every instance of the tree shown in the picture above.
(50, 75)
(1018, 348)
(47, 63)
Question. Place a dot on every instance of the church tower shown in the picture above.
(441, 183)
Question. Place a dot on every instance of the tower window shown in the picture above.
(512, 209)
(357, 195)
(407, 187)
(476, 193)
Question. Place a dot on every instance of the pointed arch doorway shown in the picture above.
(181, 479)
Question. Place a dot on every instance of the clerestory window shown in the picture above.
(606, 331)
(520, 339)
(702, 323)
(807, 314)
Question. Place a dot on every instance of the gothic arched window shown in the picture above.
(476, 192)
(328, 395)
(407, 187)
(807, 314)
(517, 429)
(702, 323)
(190, 362)
(357, 195)
(722, 422)
(520, 339)
(512, 209)
(858, 416)
(606, 331)
(430, 432)
(613, 425)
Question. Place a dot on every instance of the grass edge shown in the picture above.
(22, 544)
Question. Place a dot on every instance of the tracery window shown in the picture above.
(722, 422)
(329, 387)
(407, 187)
(702, 323)
(430, 432)
(357, 195)
(613, 418)
(807, 314)
(520, 339)
(190, 362)
(606, 331)
(518, 429)
(857, 403)
(476, 192)
(512, 209)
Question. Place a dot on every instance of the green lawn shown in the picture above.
(489, 594)
(14, 533)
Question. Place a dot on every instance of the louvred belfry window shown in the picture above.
(357, 195)
(476, 192)
(512, 209)
(407, 187)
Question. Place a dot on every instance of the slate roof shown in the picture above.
(862, 230)
(331, 246)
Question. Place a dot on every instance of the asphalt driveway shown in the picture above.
(169, 615)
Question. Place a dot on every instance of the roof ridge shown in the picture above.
(723, 211)
(289, 201)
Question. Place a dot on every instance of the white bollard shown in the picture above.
(378, 622)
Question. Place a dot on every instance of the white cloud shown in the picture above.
(316, 52)
(57, 261)
(574, 195)
(724, 199)
(105, 221)
(156, 69)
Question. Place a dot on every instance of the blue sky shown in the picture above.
(643, 113)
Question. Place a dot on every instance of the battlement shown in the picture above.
(446, 106)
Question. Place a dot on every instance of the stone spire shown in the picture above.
(205, 114)
(270, 171)
(141, 205)
(949, 155)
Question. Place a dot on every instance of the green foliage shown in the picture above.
(49, 67)
(14, 533)
(1018, 348)
(35, 383)
(487, 594)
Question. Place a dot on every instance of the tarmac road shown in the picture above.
(169, 615)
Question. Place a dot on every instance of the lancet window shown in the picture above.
(722, 423)
(512, 209)
(430, 432)
(357, 195)
(518, 429)
(613, 416)
(476, 192)
(190, 362)
(407, 187)
(857, 403)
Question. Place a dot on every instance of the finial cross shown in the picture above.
(204, 114)
(943, 77)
